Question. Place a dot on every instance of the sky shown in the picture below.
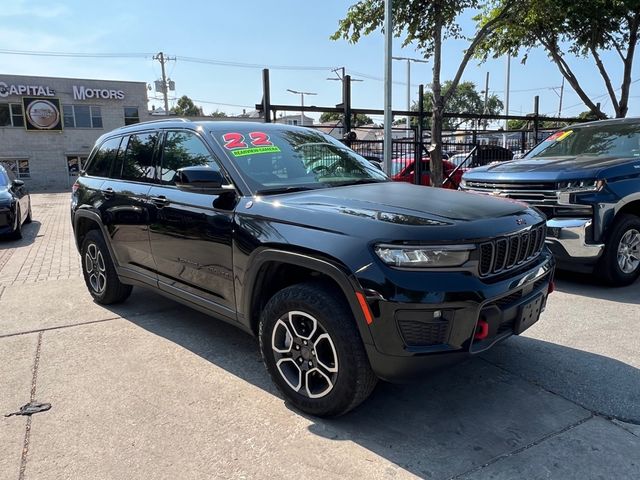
(262, 33)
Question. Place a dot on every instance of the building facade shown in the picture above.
(48, 125)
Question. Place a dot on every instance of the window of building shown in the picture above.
(20, 168)
(75, 163)
(131, 115)
(137, 162)
(11, 115)
(104, 157)
(183, 149)
(82, 116)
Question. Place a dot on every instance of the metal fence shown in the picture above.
(461, 149)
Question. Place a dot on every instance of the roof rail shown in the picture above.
(176, 119)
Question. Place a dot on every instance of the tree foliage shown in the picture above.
(426, 24)
(464, 99)
(584, 29)
(186, 107)
(357, 120)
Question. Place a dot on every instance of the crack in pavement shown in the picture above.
(59, 327)
(27, 433)
(525, 447)
(575, 402)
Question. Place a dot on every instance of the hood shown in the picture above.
(393, 210)
(550, 169)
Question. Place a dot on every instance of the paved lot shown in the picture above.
(151, 389)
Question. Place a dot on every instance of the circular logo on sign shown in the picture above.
(43, 114)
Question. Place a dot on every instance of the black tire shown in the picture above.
(99, 273)
(351, 383)
(609, 268)
(29, 218)
(17, 230)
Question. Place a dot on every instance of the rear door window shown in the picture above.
(105, 156)
(138, 162)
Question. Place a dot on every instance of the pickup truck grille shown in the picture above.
(542, 194)
(505, 253)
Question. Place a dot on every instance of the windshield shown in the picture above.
(294, 158)
(613, 139)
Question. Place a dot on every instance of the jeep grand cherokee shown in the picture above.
(344, 275)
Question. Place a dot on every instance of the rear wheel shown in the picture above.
(99, 272)
(313, 351)
(620, 264)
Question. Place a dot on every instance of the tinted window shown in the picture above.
(137, 164)
(101, 163)
(4, 180)
(183, 149)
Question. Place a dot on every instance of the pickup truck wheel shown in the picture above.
(99, 273)
(313, 351)
(620, 264)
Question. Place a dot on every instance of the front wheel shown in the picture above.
(17, 229)
(620, 264)
(312, 349)
(99, 272)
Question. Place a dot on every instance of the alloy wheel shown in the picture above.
(305, 354)
(95, 268)
(629, 251)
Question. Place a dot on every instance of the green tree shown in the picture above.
(219, 114)
(186, 107)
(464, 99)
(426, 24)
(584, 29)
(357, 120)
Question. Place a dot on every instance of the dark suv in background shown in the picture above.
(344, 275)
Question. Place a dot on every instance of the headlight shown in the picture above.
(463, 183)
(582, 185)
(424, 256)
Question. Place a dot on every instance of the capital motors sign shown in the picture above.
(41, 113)
(84, 93)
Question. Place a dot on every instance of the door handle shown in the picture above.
(108, 192)
(160, 201)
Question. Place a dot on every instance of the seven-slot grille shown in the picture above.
(504, 253)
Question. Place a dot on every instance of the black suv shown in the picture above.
(344, 275)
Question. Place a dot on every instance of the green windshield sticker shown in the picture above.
(254, 151)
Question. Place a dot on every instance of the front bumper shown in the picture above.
(7, 219)
(567, 240)
(410, 338)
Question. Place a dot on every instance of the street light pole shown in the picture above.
(388, 48)
(302, 94)
(409, 60)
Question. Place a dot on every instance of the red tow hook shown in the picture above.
(482, 330)
(552, 287)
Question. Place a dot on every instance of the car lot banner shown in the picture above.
(42, 113)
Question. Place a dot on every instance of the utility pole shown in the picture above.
(409, 60)
(506, 99)
(561, 94)
(486, 101)
(388, 113)
(302, 94)
(165, 85)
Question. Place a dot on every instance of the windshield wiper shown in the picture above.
(286, 189)
(360, 181)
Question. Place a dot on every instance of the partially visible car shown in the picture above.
(586, 179)
(483, 155)
(403, 170)
(15, 204)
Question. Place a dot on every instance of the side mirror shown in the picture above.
(18, 183)
(202, 179)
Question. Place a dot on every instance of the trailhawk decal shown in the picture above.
(239, 148)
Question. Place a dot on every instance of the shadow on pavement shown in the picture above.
(589, 286)
(448, 422)
(29, 233)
